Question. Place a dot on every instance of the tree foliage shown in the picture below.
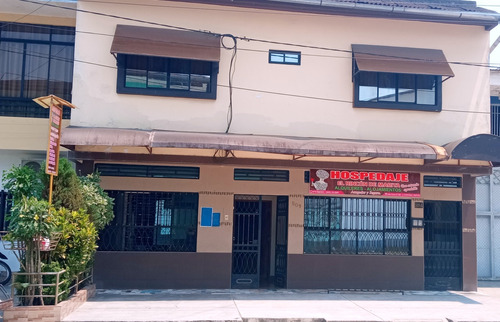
(66, 190)
(98, 204)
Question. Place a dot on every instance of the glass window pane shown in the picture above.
(11, 66)
(387, 87)
(200, 83)
(27, 32)
(316, 242)
(157, 79)
(276, 57)
(292, 58)
(426, 89)
(179, 74)
(36, 72)
(136, 71)
(367, 86)
(157, 72)
(61, 71)
(406, 88)
(135, 78)
(63, 34)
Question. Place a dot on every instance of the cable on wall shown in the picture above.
(232, 65)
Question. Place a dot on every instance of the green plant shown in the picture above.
(97, 202)
(31, 221)
(78, 242)
(66, 190)
(22, 181)
(63, 288)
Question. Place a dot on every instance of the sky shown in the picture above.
(495, 33)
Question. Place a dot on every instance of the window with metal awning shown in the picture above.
(398, 77)
(166, 62)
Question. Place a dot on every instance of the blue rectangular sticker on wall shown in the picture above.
(206, 217)
(216, 219)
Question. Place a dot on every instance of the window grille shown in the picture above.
(152, 222)
(261, 175)
(442, 182)
(335, 225)
(495, 119)
(148, 171)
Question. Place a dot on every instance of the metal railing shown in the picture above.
(80, 279)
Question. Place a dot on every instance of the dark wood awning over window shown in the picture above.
(402, 60)
(160, 42)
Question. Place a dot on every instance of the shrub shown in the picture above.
(97, 202)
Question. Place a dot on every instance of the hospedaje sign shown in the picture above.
(364, 183)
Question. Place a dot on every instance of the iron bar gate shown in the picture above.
(246, 241)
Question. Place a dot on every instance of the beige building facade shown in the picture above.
(280, 144)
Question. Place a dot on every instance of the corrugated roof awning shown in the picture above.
(485, 147)
(76, 136)
(160, 42)
(403, 60)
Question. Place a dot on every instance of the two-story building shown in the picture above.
(36, 59)
(299, 144)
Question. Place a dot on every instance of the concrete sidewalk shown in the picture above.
(290, 305)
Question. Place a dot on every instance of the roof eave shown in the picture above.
(486, 19)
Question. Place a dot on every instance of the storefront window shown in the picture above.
(335, 225)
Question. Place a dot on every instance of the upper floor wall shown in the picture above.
(313, 99)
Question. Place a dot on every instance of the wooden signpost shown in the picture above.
(56, 105)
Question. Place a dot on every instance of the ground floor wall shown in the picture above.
(209, 263)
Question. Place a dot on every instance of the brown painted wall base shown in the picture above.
(124, 270)
(356, 272)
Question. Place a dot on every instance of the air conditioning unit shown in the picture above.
(34, 164)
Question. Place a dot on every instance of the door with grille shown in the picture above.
(246, 242)
(443, 245)
(281, 241)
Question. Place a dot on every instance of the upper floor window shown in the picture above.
(398, 78)
(164, 62)
(284, 57)
(35, 60)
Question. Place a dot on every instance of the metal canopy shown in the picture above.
(403, 60)
(78, 136)
(161, 42)
(484, 147)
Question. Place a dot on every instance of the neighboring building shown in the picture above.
(488, 201)
(299, 144)
(36, 59)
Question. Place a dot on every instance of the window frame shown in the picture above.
(166, 92)
(437, 107)
(284, 53)
(22, 105)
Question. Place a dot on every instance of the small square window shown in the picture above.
(284, 57)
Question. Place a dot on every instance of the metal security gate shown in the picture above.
(488, 225)
(246, 242)
(443, 245)
(281, 242)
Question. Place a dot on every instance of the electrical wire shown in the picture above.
(232, 67)
(26, 15)
(248, 39)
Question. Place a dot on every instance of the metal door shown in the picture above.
(281, 242)
(443, 245)
(246, 242)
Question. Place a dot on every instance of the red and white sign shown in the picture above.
(367, 183)
(55, 121)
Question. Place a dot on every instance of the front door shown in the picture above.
(443, 245)
(246, 241)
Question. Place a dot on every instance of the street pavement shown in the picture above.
(291, 305)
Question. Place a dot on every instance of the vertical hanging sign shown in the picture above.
(52, 162)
